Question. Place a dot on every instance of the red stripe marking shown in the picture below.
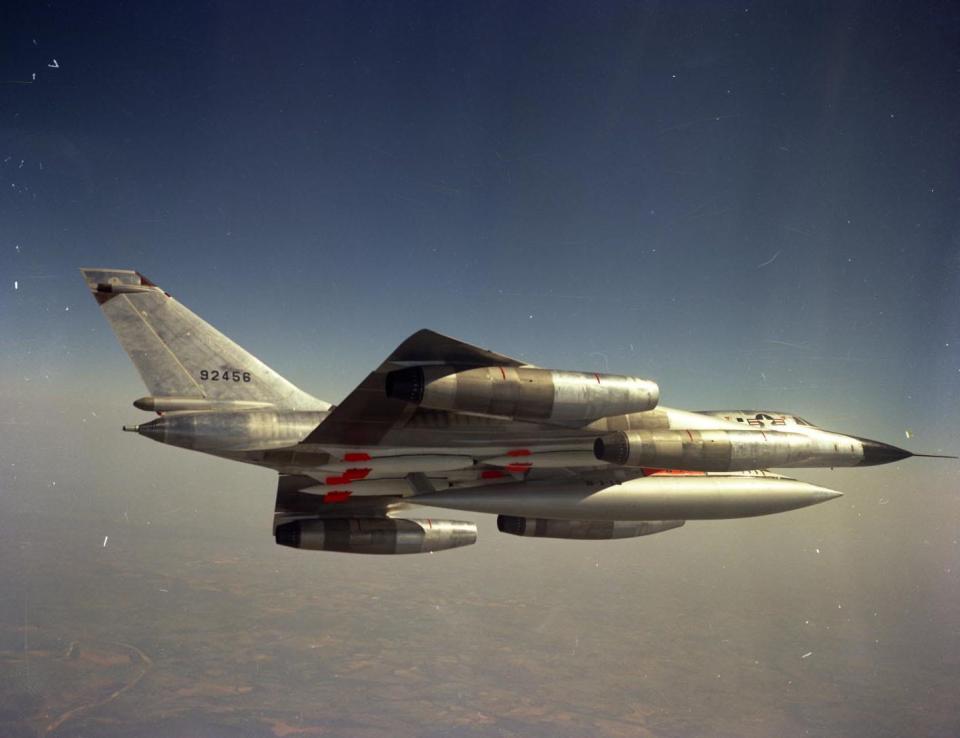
(356, 473)
(491, 474)
(337, 480)
(520, 467)
(519, 452)
(672, 472)
(356, 457)
(339, 495)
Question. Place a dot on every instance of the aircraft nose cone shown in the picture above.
(875, 453)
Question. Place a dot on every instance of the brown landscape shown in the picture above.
(168, 630)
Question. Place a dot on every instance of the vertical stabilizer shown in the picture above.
(178, 354)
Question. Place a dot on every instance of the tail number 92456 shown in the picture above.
(224, 375)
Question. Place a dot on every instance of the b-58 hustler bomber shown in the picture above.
(443, 424)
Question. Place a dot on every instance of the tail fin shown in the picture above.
(181, 358)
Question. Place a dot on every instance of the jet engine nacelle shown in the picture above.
(523, 393)
(376, 535)
(727, 450)
(593, 530)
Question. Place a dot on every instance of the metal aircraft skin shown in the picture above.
(441, 423)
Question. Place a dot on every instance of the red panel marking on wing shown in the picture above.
(339, 495)
(356, 457)
(519, 452)
(672, 472)
(520, 467)
(491, 474)
(348, 476)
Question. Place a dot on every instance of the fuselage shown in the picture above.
(458, 444)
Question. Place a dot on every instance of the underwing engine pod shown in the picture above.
(719, 450)
(523, 393)
(376, 535)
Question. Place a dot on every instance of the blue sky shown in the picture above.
(753, 205)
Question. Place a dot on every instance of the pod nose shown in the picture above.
(822, 494)
(875, 453)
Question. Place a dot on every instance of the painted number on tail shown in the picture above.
(224, 375)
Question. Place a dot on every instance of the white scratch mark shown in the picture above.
(53, 64)
(769, 261)
(105, 539)
(786, 343)
(16, 285)
(807, 655)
